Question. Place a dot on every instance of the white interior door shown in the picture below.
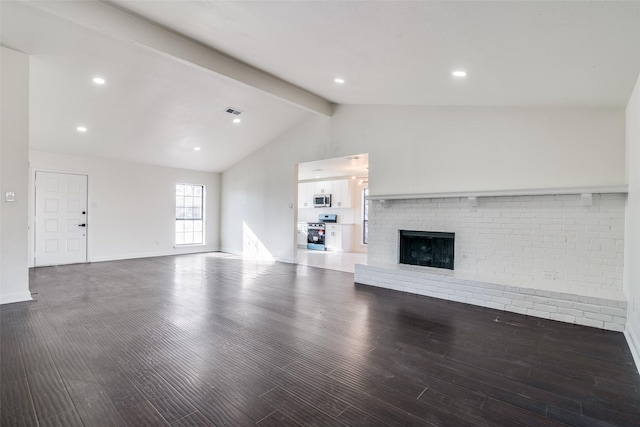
(61, 219)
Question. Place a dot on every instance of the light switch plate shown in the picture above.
(10, 196)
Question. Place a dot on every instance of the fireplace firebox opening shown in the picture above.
(427, 248)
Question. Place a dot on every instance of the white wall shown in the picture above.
(423, 150)
(14, 164)
(416, 150)
(632, 232)
(132, 206)
(258, 194)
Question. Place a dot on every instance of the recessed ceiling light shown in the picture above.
(99, 80)
(317, 176)
(236, 120)
(353, 177)
(338, 80)
(81, 129)
(459, 73)
(196, 148)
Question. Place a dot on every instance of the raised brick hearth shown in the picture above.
(546, 256)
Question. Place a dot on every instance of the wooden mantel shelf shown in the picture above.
(606, 189)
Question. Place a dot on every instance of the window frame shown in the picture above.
(365, 216)
(196, 217)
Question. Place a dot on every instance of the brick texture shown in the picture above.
(545, 256)
(559, 306)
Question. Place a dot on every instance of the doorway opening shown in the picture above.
(332, 212)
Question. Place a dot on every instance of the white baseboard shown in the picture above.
(10, 299)
(178, 251)
(231, 251)
(240, 253)
(634, 344)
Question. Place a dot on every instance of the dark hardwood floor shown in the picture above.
(204, 340)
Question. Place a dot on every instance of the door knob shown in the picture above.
(82, 225)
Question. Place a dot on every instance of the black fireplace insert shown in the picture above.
(427, 248)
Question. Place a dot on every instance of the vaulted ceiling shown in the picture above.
(172, 67)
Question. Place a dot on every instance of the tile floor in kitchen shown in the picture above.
(340, 261)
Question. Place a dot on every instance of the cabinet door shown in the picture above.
(333, 238)
(342, 194)
(347, 244)
(305, 195)
(320, 187)
(302, 234)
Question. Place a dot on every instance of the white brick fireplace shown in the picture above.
(552, 256)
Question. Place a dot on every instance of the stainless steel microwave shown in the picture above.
(322, 201)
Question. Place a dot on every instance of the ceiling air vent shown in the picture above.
(232, 111)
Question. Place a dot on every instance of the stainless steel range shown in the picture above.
(316, 231)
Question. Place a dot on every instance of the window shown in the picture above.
(189, 214)
(365, 216)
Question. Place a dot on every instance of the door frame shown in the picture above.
(32, 210)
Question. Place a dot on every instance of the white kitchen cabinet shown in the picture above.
(341, 194)
(340, 190)
(302, 234)
(306, 190)
(338, 237)
(323, 187)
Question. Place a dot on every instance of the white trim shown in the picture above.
(328, 178)
(605, 189)
(10, 299)
(203, 215)
(275, 259)
(231, 251)
(634, 345)
(152, 254)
